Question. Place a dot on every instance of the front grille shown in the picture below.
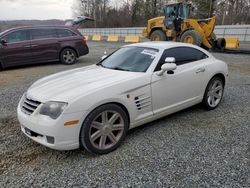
(29, 105)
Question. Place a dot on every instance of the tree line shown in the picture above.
(135, 13)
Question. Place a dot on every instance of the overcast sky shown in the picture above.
(35, 9)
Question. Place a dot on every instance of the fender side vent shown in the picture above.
(142, 102)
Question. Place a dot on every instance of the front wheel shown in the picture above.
(158, 35)
(104, 129)
(214, 93)
(191, 37)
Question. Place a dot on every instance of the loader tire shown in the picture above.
(158, 35)
(191, 37)
(221, 43)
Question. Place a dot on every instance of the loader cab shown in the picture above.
(175, 14)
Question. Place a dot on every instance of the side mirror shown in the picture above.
(104, 56)
(168, 66)
(3, 42)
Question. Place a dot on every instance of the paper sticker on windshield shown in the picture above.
(151, 53)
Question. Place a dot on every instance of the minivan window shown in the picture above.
(64, 33)
(16, 36)
(42, 33)
(182, 56)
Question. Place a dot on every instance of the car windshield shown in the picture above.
(134, 59)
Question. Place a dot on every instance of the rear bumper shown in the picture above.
(83, 50)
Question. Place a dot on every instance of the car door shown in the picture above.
(44, 44)
(182, 88)
(16, 50)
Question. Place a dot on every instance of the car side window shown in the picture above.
(64, 33)
(182, 55)
(42, 34)
(16, 36)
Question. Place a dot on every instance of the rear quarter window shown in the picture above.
(61, 33)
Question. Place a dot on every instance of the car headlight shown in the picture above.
(53, 109)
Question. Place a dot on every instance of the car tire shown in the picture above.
(214, 93)
(221, 43)
(68, 56)
(158, 35)
(104, 129)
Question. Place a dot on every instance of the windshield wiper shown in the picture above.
(121, 69)
(101, 65)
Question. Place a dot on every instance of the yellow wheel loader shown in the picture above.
(176, 25)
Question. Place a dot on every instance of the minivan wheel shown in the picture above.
(214, 93)
(68, 56)
(104, 129)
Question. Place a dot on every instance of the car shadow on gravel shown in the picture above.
(25, 151)
(40, 65)
(195, 109)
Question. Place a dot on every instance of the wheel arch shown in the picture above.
(70, 47)
(124, 108)
(154, 29)
(220, 75)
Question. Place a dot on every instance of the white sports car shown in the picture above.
(93, 107)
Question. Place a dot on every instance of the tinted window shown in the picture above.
(42, 33)
(64, 33)
(16, 36)
(182, 55)
(135, 59)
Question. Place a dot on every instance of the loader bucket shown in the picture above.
(232, 42)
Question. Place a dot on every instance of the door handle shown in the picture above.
(200, 70)
(34, 45)
(28, 46)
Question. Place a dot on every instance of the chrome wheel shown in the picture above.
(69, 57)
(215, 93)
(106, 130)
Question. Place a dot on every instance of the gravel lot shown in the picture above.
(192, 148)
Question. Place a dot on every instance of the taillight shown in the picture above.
(84, 39)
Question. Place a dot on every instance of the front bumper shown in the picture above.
(51, 133)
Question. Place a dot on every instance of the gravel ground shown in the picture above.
(192, 148)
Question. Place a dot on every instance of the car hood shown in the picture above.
(68, 85)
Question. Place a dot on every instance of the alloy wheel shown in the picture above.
(215, 93)
(106, 130)
(69, 57)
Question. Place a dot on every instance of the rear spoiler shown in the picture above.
(77, 22)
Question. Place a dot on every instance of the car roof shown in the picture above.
(37, 27)
(162, 45)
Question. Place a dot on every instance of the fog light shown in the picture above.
(50, 139)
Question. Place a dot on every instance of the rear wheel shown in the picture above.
(158, 35)
(104, 129)
(191, 37)
(214, 93)
(68, 56)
